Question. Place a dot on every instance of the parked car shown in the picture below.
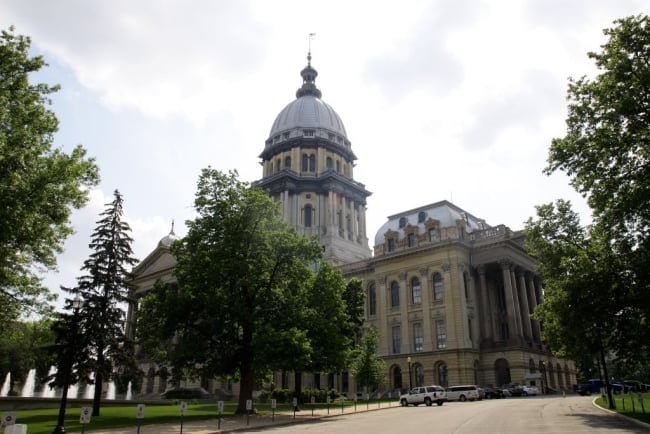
(530, 390)
(514, 389)
(493, 393)
(424, 395)
(463, 393)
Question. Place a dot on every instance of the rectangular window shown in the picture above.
(416, 291)
(410, 238)
(433, 234)
(418, 337)
(308, 133)
(441, 334)
(391, 244)
(397, 340)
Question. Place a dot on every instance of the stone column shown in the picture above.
(485, 312)
(517, 297)
(511, 306)
(532, 304)
(524, 306)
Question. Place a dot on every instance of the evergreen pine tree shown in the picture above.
(104, 291)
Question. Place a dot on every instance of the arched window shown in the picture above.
(422, 216)
(441, 371)
(308, 215)
(328, 163)
(305, 162)
(438, 290)
(416, 291)
(287, 162)
(419, 375)
(394, 294)
(271, 166)
(312, 163)
(372, 299)
(338, 166)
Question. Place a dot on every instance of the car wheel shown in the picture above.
(427, 401)
(462, 398)
(439, 403)
(524, 393)
(404, 403)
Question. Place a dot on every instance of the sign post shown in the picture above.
(139, 415)
(274, 404)
(249, 408)
(220, 410)
(183, 411)
(84, 417)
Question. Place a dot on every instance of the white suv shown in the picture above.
(424, 395)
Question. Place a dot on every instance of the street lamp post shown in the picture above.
(408, 359)
(69, 360)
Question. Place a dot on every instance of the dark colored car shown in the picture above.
(493, 393)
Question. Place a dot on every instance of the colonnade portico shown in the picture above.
(509, 294)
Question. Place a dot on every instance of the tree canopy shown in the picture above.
(242, 273)
(596, 278)
(39, 184)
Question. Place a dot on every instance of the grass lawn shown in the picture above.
(630, 406)
(43, 421)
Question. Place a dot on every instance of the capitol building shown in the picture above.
(450, 294)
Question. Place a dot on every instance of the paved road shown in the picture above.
(532, 415)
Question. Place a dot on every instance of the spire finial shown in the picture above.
(172, 231)
(309, 76)
(311, 37)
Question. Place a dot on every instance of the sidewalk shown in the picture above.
(246, 423)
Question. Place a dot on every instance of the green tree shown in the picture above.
(23, 347)
(39, 185)
(606, 153)
(366, 366)
(104, 290)
(330, 329)
(583, 311)
(241, 272)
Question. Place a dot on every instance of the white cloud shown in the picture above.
(441, 99)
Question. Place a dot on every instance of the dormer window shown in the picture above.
(422, 216)
(402, 222)
(391, 244)
(433, 234)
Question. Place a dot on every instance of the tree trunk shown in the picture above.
(247, 381)
(99, 381)
(610, 398)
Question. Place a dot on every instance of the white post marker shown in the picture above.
(84, 418)
(220, 406)
(139, 413)
(249, 404)
(274, 404)
(183, 408)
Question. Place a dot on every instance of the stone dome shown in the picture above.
(308, 111)
(445, 212)
(168, 239)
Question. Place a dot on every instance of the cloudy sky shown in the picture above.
(441, 99)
